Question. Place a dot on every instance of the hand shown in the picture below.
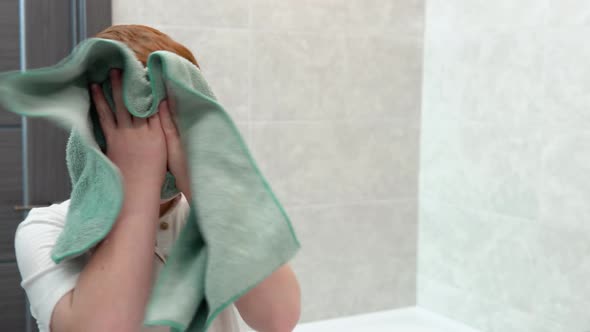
(136, 145)
(177, 163)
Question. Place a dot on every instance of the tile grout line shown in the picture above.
(340, 120)
(357, 33)
(349, 203)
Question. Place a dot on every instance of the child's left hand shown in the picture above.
(177, 164)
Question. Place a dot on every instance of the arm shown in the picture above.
(274, 304)
(114, 287)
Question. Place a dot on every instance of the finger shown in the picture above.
(139, 122)
(168, 125)
(123, 116)
(105, 115)
(154, 121)
(174, 115)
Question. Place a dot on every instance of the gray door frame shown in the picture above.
(48, 32)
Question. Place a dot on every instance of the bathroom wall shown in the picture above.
(327, 95)
(504, 237)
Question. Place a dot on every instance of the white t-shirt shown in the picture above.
(46, 282)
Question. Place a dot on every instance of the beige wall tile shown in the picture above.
(384, 78)
(193, 13)
(309, 77)
(402, 17)
(476, 15)
(300, 15)
(315, 88)
(298, 77)
(223, 58)
(350, 250)
(336, 162)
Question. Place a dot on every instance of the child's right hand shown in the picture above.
(136, 145)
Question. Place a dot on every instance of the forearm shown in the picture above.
(183, 184)
(113, 289)
(274, 304)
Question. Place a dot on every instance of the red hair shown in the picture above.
(144, 40)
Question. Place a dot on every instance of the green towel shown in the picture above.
(237, 232)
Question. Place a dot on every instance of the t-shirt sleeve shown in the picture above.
(44, 282)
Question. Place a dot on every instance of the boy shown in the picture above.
(108, 288)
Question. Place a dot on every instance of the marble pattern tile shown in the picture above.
(507, 88)
(487, 167)
(477, 15)
(477, 252)
(481, 313)
(450, 66)
(489, 77)
(517, 263)
(564, 267)
(503, 236)
(565, 97)
(569, 13)
(565, 189)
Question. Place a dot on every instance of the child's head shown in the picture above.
(144, 40)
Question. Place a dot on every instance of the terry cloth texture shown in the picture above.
(237, 233)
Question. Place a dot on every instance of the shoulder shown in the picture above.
(44, 281)
(54, 214)
(36, 235)
(41, 224)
